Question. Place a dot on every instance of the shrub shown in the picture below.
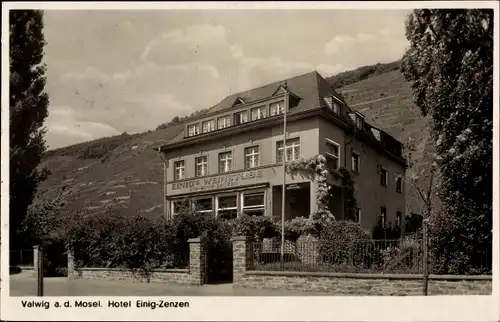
(258, 227)
(136, 243)
(217, 235)
(341, 242)
(378, 231)
(299, 226)
(43, 221)
(405, 258)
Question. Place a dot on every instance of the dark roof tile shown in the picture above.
(309, 87)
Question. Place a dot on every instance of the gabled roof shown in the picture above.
(308, 90)
(279, 90)
(309, 87)
(238, 101)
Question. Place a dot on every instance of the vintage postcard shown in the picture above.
(252, 161)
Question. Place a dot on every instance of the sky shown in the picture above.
(110, 72)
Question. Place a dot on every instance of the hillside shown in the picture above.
(129, 176)
(124, 172)
(386, 102)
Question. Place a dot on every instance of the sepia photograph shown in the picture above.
(191, 152)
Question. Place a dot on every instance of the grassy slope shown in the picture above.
(123, 171)
(129, 176)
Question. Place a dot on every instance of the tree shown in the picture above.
(28, 110)
(44, 224)
(450, 66)
(420, 182)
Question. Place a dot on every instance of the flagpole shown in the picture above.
(284, 179)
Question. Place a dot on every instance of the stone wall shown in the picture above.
(181, 276)
(194, 275)
(349, 284)
(362, 285)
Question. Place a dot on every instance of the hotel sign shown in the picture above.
(217, 182)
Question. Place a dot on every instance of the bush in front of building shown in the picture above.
(216, 234)
(390, 232)
(113, 240)
(341, 243)
(214, 231)
(142, 244)
(300, 226)
(258, 227)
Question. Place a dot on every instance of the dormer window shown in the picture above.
(223, 122)
(277, 108)
(333, 104)
(193, 129)
(238, 101)
(258, 113)
(376, 133)
(280, 90)
(359, 121)
(208, 126)
(240, 117)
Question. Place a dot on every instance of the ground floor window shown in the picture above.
(357, 215)
(398, 218)
(254, 203)
(227, 206)
(383, 216)
(224, 205)
(203, 205)
(180, 206)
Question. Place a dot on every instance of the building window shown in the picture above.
(201, 166)
(208, 126)
(258, 113)
(399, 184)
(227, 207)
(292, 150)
(359, 122)
(332, 154)
(277, 108)
(332, 104)
(193, 129)
(223, 122)
(383, 177)
(252, 157)
(355, 163)
(182, 206)
(357, 215)
(253, 204)
(399, 215)
(240, 117)
(329, 102)
(225, 162)
(179, 170)
(383, 215)
(336, 108)
(203, 206)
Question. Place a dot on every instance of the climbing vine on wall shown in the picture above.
(315, 169)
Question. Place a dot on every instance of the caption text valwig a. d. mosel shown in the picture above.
(110, 304)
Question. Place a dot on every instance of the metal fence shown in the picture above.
(21, 258)
(178, 260)
(396, 256)
(369, 256)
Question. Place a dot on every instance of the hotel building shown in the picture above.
(229, 161)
